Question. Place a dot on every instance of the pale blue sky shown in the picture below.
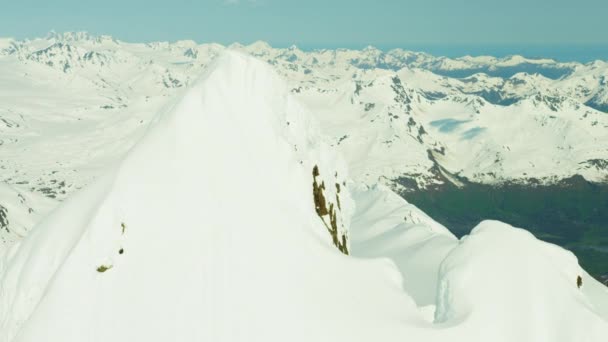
(317, 23)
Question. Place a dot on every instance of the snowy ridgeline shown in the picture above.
(222, 223)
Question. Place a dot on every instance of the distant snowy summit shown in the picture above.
(232, 218)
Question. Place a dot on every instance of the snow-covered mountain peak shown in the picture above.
(479, 59)
(259, 46)
(188, 43)
(65, 56)
(236, 46)
(69, 36)
(81, 37)
(370, 49)
(234, 165)
(517, 59)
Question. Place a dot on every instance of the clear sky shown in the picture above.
(317, 23)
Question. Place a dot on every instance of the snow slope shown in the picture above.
(207, 231)
(214, 199)
(385, 225)
(19, 211)
(525, 282)
(497, 284)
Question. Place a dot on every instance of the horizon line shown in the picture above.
(562, 52)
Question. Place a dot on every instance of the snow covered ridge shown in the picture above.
(196, 235)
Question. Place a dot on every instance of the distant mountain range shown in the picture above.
(73, 103)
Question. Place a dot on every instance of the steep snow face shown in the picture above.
(208, 213)
(385, 225)
(200, 235)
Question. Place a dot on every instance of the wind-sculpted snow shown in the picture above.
(385, 225)
(514, 262)
(207, 231)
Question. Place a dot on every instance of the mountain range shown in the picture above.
(73, 103)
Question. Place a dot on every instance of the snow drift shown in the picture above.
(208, 231)
(384, 225)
